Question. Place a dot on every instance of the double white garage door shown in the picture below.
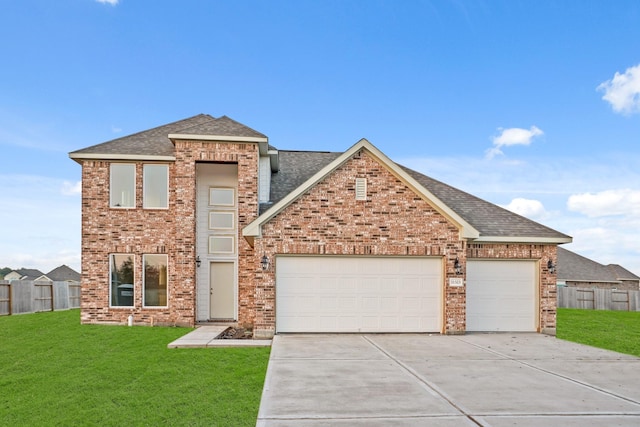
(398, 294)
(358, 294)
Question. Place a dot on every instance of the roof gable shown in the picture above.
(254, 228)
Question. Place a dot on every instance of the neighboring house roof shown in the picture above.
(622, 273)
(64, 274)
(155, 144)
(577, 268)
(29, 274)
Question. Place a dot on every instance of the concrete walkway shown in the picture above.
(477, 379)
(206, 336)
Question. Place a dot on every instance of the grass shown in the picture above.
(613, 330)
(54, 371)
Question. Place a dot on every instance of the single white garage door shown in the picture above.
(501, 296)
(358, 294)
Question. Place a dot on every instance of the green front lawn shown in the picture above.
(54, 371)
(614, 330)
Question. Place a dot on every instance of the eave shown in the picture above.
(523, 239)
(78, 157)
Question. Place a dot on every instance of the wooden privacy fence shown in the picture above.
(598, 299)
(26, 296)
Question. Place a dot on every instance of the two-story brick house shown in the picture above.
(202, 220)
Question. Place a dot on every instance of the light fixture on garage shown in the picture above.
(198, 262)
(551, 267)
(457, 267)
(264, 262)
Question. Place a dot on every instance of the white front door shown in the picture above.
(358, 294)
(222, 291)
(501, 295)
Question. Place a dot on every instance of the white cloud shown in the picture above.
(606, 203)
(512, 136)
(71, 188)
(111, 2)
(532, 209)
(623, 91)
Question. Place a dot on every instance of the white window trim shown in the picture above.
(111, 185)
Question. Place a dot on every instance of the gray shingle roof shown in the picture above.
(29, 273)
(490, 220)
(63, 273)
(571, 266)
(622, 273)
(156, 142)
(224, 126)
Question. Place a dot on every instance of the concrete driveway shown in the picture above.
(477, 379)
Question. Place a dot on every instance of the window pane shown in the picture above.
(221, 220)
(123, 185)
(221, 244)
(222, 196)
(155, 280)
(121, 273)
(156, 186)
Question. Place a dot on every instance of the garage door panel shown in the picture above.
(501, 295)
(358, 294)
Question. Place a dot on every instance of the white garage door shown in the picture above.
(501, 296)
(358, 294)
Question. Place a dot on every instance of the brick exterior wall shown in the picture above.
(160, 231)
(327, 220)
(547, 285)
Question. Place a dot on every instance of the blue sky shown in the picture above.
(533, 106)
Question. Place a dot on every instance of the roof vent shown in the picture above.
(361, 188)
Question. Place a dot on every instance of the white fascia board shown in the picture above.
(523, 239)
(274, 160)
(254, 228)
(97, 156)
(217, 138)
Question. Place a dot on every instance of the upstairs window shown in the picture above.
(156, 186)
(122, 185)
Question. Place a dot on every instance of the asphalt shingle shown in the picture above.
(490, 220)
